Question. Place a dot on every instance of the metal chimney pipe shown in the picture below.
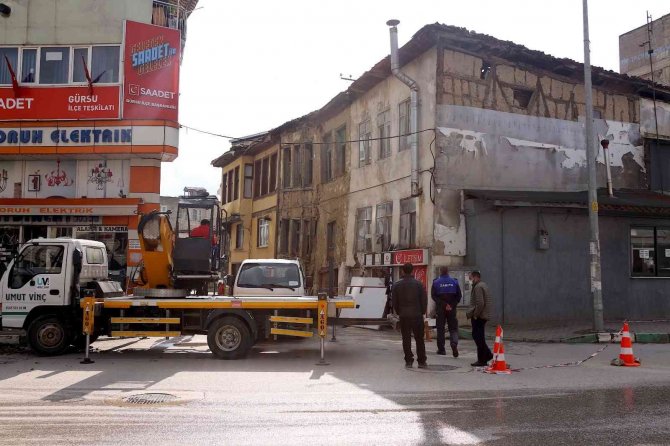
(606, 144)
(414, 105)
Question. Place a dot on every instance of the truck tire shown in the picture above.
(229, 338)
(48, 336)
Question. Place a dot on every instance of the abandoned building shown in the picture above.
(488, 172)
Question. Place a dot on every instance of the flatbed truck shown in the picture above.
(45, 286)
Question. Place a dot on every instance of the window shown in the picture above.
(340, 149)
(224, 188)
(364, 143)
(403, 125)
(28, 66)
(522, 97)
(296, 176)
(294, 244)
(407, 237)
(363, 227)
(36, 260)
(650, 251)
(273, 173)
(236, 184)
(54, 65)
(12, 54)
(230, 186)
(265, 176)
(263, 232)
(79, 65)
(95, 256)
(330, 236)
(327, 158)
(284, 228)
(248, 180)
(257, 179)
(383, 227)
(306, 238)
(268, 275)
(286, 167)
(105, 64)
(308, 154)
(239, 236)
(384, 130)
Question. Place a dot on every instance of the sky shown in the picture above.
(251, 65)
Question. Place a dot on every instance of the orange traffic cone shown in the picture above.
(498, 366)
(626, 357)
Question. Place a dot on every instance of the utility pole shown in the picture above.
(591, 155)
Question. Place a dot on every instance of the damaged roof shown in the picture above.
(483, 46)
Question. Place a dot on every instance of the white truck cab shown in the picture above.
(268, 277)
(43, 284)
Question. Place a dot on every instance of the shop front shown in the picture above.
(392, 260)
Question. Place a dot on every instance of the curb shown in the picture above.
(589, 338)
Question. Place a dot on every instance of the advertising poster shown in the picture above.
(151, 67)
(52, 178)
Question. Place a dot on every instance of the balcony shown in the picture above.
(173, 14)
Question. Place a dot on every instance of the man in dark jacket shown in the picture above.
(480, 312)
(410, 302)
(447, 294)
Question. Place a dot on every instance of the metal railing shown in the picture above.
(169, 15)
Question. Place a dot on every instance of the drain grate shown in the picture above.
(150, 398)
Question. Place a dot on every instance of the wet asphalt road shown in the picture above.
(278, 396)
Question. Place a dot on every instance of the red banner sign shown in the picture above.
(151, 67)
(413, 256)
(33, 103)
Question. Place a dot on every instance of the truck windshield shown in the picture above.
(269, 275)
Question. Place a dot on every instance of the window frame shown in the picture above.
(70, 75)
(366, 240)
(263, 227)
(403, 134)
(411, 240)
(327, 158)
(364, 143)
(250, 178)
(385, 221)
(340, 150)
(239, 236)
(384, 130)
(655, 229)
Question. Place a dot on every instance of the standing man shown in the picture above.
(410, 302)
(447, 294)
(480, 312)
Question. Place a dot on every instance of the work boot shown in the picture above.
(479, 364)
(454, 351)
(408, 365)
(423, 365)
(441, 352)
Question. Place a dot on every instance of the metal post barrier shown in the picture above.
(88, 305)
(322, 326)
(337, 315)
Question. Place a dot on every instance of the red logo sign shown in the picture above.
(413, 256)
(59, 103)
(420, 273)
(151, 69)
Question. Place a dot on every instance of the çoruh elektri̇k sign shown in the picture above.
(151, 72)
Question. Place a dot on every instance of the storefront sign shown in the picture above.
(35, 103)
(102, 229)
(151, 84)
(413, 256)
(70, 136)
(68, 210)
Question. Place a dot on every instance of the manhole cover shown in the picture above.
(436, 368)
(150, 398)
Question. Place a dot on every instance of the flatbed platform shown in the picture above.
(210, 302)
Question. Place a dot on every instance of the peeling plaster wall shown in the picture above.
(490, 149)
(388, 179)
(648, 122)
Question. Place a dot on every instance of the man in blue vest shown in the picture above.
(447, 294)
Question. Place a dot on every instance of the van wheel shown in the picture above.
(229, 338)
(48, 336)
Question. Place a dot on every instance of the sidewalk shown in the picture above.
(653, 332)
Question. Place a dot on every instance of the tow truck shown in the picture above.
(55, 289)
(44, 286)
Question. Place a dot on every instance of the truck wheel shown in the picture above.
(229, 338)
(48, 336)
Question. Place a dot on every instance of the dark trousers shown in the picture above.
(413, 326)
(478, 335)
(443, 316)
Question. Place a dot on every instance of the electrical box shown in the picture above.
(542, 240)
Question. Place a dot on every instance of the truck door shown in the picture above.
(36, 278)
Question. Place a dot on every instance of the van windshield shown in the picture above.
(269, 275)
